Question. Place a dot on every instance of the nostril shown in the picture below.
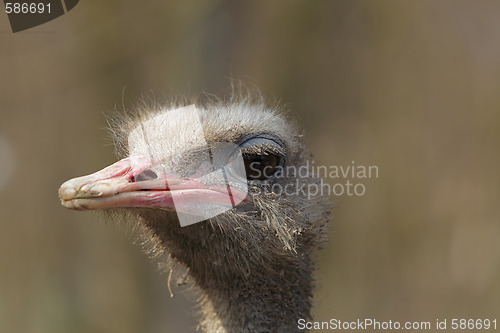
(145, 175)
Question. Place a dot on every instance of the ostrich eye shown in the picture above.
(261, 167)
(263, 156)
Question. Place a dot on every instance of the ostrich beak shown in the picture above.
(121, 185)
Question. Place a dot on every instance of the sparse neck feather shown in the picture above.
(241, 292)
(265, 300)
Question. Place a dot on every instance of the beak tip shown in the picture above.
(66, 192)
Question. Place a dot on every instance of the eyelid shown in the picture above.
(263, 149)
(262, 143)
(260, 136)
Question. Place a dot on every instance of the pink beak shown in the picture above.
(116, 186)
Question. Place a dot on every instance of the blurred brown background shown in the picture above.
(410, 86)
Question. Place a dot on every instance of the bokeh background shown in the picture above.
(412, 87)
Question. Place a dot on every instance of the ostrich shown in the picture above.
(251, 261)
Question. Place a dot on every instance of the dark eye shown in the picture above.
(263, 156)
(261, 167)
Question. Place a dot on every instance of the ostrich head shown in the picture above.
(245, 241)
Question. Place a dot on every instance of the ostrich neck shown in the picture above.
(258, 302)
(240, 294)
